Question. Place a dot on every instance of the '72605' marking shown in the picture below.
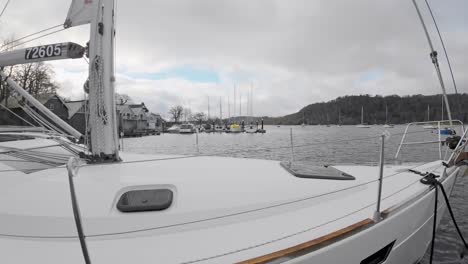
(46, 51)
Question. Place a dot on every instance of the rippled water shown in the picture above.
(323, 145)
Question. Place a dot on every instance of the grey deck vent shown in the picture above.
(309, 171)
(145, 200)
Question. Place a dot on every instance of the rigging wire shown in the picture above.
(36, 38)
(443, 46)
(4, 8)
(30, 35)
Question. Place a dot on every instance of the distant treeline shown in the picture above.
(400, 110)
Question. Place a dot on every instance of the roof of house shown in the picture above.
(142, 106)
(124, 109)
(74, 107)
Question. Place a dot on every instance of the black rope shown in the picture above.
(431, 179)
(452, 215)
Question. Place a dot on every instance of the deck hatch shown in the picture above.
(145, 200)
(309, 171)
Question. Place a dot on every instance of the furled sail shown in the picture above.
(80, 12)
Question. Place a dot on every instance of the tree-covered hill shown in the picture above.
(400, 110)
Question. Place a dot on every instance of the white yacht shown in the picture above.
(362, 125)
(387, 125)
(108, 206)
(187, 129)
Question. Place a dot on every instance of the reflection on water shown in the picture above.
(323, 145)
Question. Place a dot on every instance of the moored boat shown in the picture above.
(187, 129)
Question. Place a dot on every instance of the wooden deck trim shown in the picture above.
(309, 244)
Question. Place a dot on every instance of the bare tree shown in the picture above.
(176, 112)
(123, 99)
(4, 89)
(36, 78)
(199, 117)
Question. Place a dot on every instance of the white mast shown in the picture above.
(220, 109)
(208, 108)
(339, 116)
(234, 100)
(362, 115)
(240, 104)
(428, 108)
(103, 128)
(386, 113)
(229, 109)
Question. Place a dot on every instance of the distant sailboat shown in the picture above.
(303, 120)
(339, 117)
(362, 125)
(428, 118)
(386, 118)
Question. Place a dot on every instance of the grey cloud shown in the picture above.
(298, 51)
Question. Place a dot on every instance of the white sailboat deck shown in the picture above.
(217, 203)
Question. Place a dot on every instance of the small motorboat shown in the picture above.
(236, 128)
(447, 131)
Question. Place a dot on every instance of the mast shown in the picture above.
(428, 108)
(386, 114)
(362, 115)
(220, 110)
(229, 109)
(235, 98)
(339, 116)
(208, 108)
(240, 104)
(102, 123)
(251, 101)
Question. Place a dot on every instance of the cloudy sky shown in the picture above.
(293, 52)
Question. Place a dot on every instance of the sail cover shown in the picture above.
(80, 12)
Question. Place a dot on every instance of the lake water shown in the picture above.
(324, 145)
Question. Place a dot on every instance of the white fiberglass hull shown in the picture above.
(409, 227)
